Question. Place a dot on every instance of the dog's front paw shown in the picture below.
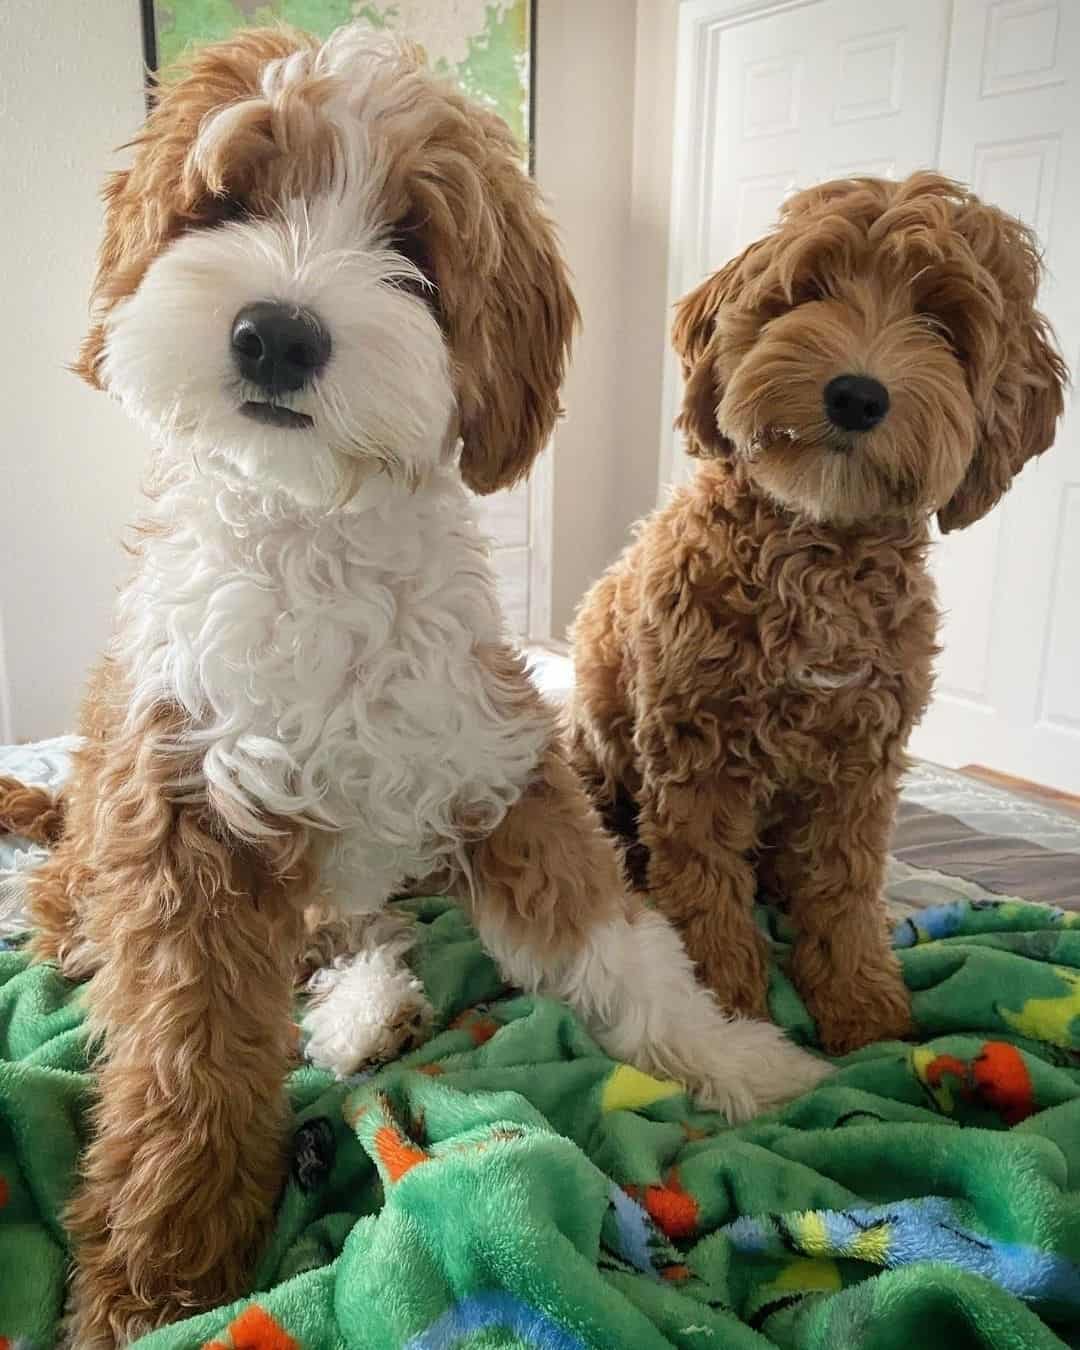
(862, 1012)
(737, 972)
(365, 1009)
(741, 987)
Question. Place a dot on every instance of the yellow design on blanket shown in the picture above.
(1050, 1019)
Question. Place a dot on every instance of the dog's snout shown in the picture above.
(855, 402)
(279, 347)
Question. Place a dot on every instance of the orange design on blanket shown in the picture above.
(672, 1209)
(254, 1329)
(997, 1078)
(398, 1156)
(479, 1025)
(1002, 1080)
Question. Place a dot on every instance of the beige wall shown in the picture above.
(604, 113)
(584, 144)
(70, 90)
(645, 337)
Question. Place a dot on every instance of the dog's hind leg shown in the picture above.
(43, 894)
(600, 727)
(548, 901)
(600, 731)
(35, 813)
(52, 905)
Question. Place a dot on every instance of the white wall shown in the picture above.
(70, 90)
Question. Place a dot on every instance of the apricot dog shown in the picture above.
(750, 669)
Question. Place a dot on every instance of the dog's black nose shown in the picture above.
(278, 347)
(855, 402)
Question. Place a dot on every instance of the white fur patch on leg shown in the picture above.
(13, 918)
(636, 988)
(366, 1008)
(14, 882)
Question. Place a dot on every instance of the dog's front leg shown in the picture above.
(698, 833)
(548, 900)
(192, 1004)
(831, 867)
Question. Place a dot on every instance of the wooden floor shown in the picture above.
(1061, 801)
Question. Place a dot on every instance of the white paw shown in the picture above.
(636, 986)
(366, 1009)
(751, 1069)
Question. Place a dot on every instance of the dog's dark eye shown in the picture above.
(808, 289)
(946, 329)
(407, 240)
(228, 209)
(412, 285)
(409, 244)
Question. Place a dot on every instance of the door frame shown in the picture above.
(541, 544)
(702, 24)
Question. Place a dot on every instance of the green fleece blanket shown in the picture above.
(507, 1185)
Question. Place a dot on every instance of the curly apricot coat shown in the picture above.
(749, 671)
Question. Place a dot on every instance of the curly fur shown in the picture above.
(309, 699)
(32, 812)
(749, 671)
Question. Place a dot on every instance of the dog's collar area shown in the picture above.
(274, 415)
(827, 680)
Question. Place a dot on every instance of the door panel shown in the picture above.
(1011, 124)
(834, 87)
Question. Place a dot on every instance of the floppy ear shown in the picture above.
(503, 289)
(694, 340)
(1019, 404)
(164, 193)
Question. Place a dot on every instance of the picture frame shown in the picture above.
(486, 46)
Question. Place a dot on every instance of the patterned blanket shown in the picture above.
(509, 1186)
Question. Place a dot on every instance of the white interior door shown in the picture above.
(776, 96)
(1008, 691)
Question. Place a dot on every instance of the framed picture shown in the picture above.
(485, 45)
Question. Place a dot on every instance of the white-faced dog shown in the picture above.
(329, 293)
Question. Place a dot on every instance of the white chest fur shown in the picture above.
(332, 663)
